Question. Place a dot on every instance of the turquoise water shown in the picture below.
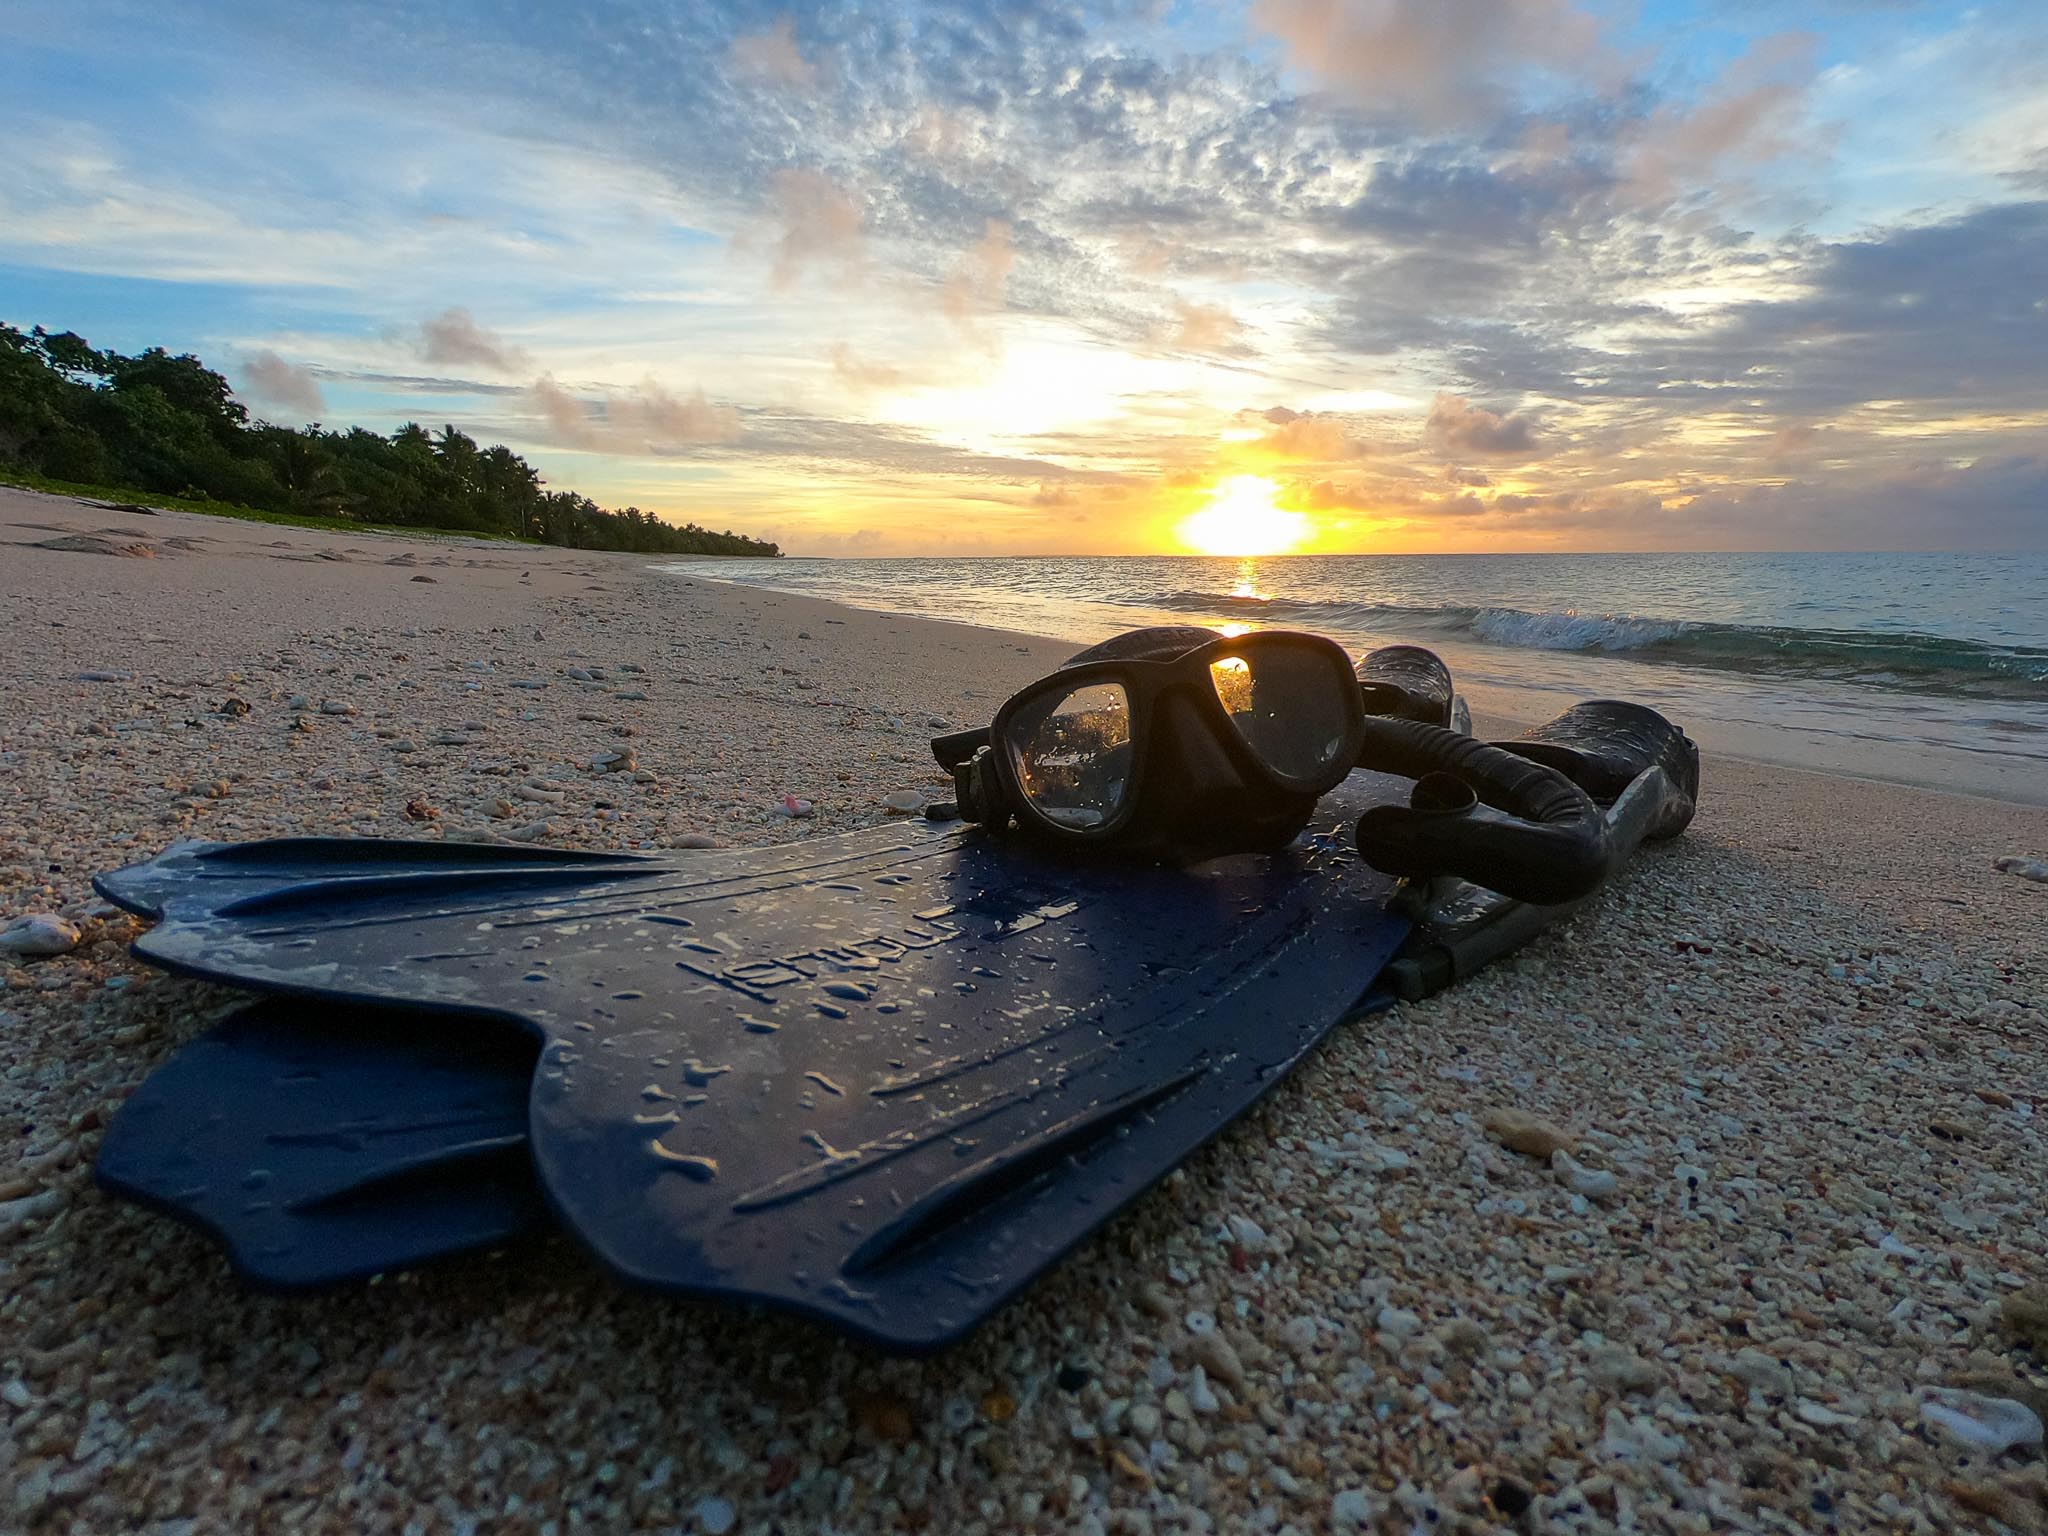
(1931, 668)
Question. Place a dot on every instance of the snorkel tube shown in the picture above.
(1642, 771)
(1482, 813)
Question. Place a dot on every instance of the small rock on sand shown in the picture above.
(1213, 1353)
(1532, 1135)
(1620, 1369)
(1352, 1510)
(1990, 1424)
(38, 933)
(2023, 866)
(1593, 1183)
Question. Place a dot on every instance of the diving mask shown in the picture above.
(1175, 744)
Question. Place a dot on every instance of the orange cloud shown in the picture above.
(1307, 437)
(269, 379)
(453, 336)
(1205, 328)
(819, 221)
(977, 286)
(1444, 62)
(773, 58)
(1756, 115)
(647, 420)
(1458, 427)
(863, 373)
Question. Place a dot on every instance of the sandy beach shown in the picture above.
(1808, 1039)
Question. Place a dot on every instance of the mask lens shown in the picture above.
(1287, 704)
(1072, 753)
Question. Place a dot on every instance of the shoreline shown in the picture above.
(1806, 1038)
(1502, 708)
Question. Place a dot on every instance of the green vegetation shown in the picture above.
(88, 422)
(191, 501)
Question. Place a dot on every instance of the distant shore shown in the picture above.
(1805, 1038)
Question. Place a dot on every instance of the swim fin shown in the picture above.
(882, 1079)
(1411, 682)
(322, 1143)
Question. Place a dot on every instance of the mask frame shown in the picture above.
(1152, 688)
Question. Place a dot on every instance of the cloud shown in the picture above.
(1391, 501)
(1445, 63)
(1459, 428)
(1993, 503)
(1944, 313)
(269, 380)
(773, 58)
(864, 373)
(453, 336)
(819, 223)
(1204, 328)
(977, 285)
(648, 420)
(1308, 437)
(1756, 114)
(1797, 446)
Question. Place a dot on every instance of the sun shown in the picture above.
(1241, 519)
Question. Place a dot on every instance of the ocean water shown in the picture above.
(1922, 668)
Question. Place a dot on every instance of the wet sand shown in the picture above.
(1808, 1040)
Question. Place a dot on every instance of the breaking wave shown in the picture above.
(1887, 659)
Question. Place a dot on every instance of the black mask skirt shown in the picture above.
(1222, 747)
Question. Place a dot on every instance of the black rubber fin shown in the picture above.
(881, 1079)
(320, 1144)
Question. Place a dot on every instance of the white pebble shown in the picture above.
(1351, 1510)
(1593, 1183)
(38, 933)
(1248, 1233)
(714, 1515)
(1990, 1424)
(1398, 1321)
(1299, 1334)
(15, 1213)
(1820, 1415)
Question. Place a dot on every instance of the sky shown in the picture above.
(1009, 277)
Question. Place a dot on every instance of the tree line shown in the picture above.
(154, 422)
